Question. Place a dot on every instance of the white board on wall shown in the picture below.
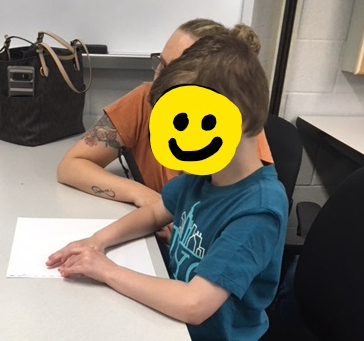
(136, 27)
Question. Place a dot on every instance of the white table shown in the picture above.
(57, 309)
(345, 133)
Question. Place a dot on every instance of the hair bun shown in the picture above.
(247, 34)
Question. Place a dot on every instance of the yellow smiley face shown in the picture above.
(194, 129)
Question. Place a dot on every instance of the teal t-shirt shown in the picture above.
(232, 236)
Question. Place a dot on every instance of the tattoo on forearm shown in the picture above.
(102, 131)
(108, 192)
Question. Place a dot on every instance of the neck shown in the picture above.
(245, 162)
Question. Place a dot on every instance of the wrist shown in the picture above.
(115, 277)
(98, 241)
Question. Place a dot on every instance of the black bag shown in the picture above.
(42, 92)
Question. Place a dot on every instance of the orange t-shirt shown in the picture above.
(130, 116)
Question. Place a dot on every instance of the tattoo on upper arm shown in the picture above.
(108, 192)
(103, 131)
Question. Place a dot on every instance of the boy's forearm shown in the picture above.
(190, 303)
(138, 223)
(163, 295)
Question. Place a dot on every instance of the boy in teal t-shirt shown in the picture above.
(228, 227)
(232, 236)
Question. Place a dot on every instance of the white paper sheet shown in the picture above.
(36, 238)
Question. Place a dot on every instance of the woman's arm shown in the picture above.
(83, 166)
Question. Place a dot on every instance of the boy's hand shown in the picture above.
(63, 254)
(165, 233)
(87, 261)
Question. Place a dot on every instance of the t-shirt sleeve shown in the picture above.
(130, 114)
(241, 253)
(170, 193)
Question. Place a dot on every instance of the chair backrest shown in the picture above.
(286, 147)
(329, 279)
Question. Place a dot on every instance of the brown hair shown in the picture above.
(226, 64)
(246, 33)
(199, 28)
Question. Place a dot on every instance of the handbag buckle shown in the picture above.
(7, 41)
(40, 37)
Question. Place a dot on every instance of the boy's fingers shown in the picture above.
(57, 258)
(62, 255)
(72, 271)
(53, 260)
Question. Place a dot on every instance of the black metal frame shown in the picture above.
(282, 56)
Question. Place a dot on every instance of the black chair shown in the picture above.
(286, 147)
(306, 213)
(329, 278)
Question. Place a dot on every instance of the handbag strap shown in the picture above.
(57, 38)
(74, 43)
(45, 71)
(72, 48)
(41, 46)
(7, 42)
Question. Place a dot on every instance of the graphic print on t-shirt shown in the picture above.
(186, 247)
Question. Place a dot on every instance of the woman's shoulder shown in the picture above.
(141, 91)
(135, 98)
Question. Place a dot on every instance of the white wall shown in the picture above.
(314, 82)
(126, 26)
